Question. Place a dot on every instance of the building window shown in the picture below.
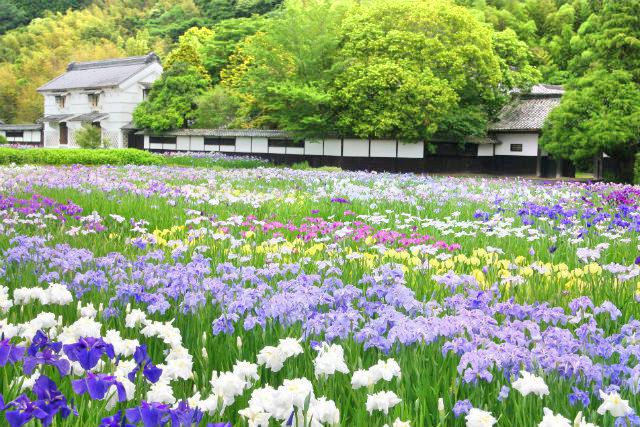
(94, 98)
(284, 143)
(162, 139)
(516, 148)
(145, 93)
(219, 141)
(60, 100)
(14, 134)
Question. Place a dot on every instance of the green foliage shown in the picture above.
(283, 74)
(636, 170)
(217, 108)
(599, 113)
(215, 50)
(14, 13)
(515, 61)
(406, 80)
(89, 137)
(11, 16)
(3, 140)
(56, 156)
(186, 53)
(171, 102)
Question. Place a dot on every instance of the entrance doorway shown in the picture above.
(64, 133)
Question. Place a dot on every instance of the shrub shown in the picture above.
(56, 156)
(636, 170)
(3, 140)
(89, 136)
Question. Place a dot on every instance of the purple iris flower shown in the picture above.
(97, 386)
(461, 407)
(627, 421)
(504, 393)
(223, 424)
(149, 370)
(149, 414)
(49, 403)
(41, 342)
(116, 420)
(184, 416)
(88, 351)
(42, 351)
(22, 410)
(579, 396)
(10, 353)
(51, 400)
(339, 200)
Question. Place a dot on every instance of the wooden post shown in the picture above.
(559, 164)
(539, 163)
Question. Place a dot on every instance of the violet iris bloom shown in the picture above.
(149, 414)
(184, 416)
(22, 410)
(88, 351)
(41, 342)
(339, 200)
(149, 370)
(42, 351)
(10, 353)
(116, 420)
(51, 400)
(49, 403)
(97, 386)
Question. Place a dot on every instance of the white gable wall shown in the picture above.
(118, 102)
(529, 143)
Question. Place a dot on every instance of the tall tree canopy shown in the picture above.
(600, 111)
(380, 68)
(283, 73)
(171, 102)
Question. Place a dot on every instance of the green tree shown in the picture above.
(217, 108)
(171, 102)
(599, 113)
(187, 53)
(618, 43)
(215, 50)
(515, 61)
(283, 74)
(11, 16)
(395, 52)
(89, 136)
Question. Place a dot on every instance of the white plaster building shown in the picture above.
(23, 134)
(100, 93)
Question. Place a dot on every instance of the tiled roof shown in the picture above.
(56, 117)
(97, 74)
(528, 112)
(26, 126)
(264, 133)
(543, 89)
(93, 116)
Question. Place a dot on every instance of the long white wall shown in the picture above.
(348, 147)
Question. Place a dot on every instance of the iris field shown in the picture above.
(155, 295)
